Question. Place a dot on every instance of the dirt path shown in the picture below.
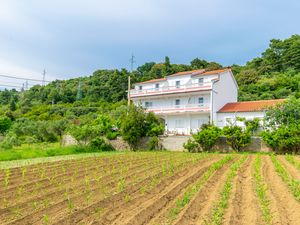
(243, 207)
(202, 203)
(284, 208)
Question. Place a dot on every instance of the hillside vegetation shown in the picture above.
(93, 106)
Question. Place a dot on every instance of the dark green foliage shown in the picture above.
(153, 125)
(136, 124)
(153, 143)
(83, 133)
(284, 114)
(191, 146)
(99, 145)
(282, 127)
(207, 136)
(253, 125)
(112, 135)
(236, 137)
(284, 139)
(5, 124)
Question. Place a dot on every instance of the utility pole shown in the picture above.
(44, 77)
(128, 96)
(132, 61)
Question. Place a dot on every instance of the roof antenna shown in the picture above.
(132, 61)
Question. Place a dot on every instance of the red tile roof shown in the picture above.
(151, 81)
(250, 106)
(193, 72)
(216, 71)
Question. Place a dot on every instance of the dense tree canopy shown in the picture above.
(276, 74)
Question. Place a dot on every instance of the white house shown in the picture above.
(249, 110)
(186, 100)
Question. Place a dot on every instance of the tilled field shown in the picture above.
(154, 188)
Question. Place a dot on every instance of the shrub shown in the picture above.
(10, 140)
(191, 146)
(284, 138)
(99, 145)
(207, 136)
(112, 135)
(236, 137)
(137, 124)
(5, 124)
(153, 143)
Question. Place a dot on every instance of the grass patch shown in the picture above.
(261, 191)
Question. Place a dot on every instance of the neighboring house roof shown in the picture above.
(250, 106)
(192, 72)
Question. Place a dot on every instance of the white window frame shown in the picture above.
(200, 81)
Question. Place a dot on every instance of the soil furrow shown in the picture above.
(126, 210)
(60, 208)
(284, 208)
(293, 171)
(243, 205)
(201, 205)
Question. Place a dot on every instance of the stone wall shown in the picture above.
(175, 143)
(256, 145)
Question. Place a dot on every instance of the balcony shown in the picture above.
(171, 89)
(180, 109)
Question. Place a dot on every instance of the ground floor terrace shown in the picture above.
(184, 124)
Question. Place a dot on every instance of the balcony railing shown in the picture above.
(180, 108)
(171, 89)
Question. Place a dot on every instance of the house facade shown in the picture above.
(186, 100)
(231, 112)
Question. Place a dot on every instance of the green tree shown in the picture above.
(5, 124)
(207, 136)
(133, 126)
(236, 137)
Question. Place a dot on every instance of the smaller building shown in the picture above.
(231, 112)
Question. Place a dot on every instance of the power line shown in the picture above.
(21, 78)
(11, 86)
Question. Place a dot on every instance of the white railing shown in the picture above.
(180, 108)
(171, 89)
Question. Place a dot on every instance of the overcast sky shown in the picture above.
(71, 38)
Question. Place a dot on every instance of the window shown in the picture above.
(177, 103)
(200, 81)
(179, 124)
(178, 84)
(140, 88)
(148, 105)
(200, 101)
(156, 86)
